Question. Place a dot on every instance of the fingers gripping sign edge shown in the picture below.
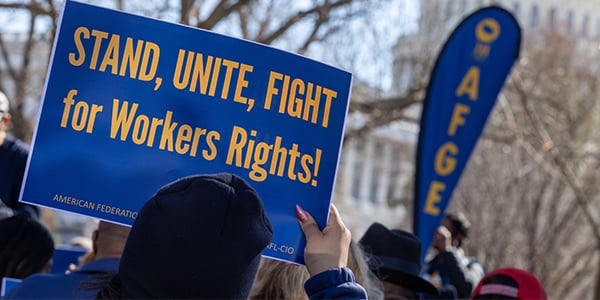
(307, 223)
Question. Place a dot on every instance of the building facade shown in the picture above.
(376, 172)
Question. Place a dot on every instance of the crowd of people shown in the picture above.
(202, 237)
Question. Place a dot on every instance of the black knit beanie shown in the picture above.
(198, 237)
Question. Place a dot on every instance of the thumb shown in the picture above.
(307, 223)
(334, 218)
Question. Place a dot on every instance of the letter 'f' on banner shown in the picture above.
(466, 79)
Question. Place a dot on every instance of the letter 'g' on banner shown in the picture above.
(465, 82)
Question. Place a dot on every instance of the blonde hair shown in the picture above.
(358, 263)
(280, 280)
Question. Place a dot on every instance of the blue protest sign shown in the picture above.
(132, 103)
(7, 284)
(469, 73)
(64, 256)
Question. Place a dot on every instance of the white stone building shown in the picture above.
(374, 181)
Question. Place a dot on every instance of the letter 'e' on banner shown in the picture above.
(464, 84)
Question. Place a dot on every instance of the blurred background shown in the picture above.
(530, 189)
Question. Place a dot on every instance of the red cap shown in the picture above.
(529, 286)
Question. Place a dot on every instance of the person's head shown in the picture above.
(109, 240)
(198, 237)
(279, 280)
(26, 247)
(358, 263)
(84, 242)
(396, 260)
(4, 116)
(509, 283)
(458, 225)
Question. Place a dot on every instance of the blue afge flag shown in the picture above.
(465, 82)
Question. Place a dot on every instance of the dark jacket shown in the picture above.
(334, 284)
(455, 269)
(65, 286)
(13, 159)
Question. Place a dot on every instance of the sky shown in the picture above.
(396, 17)
(16, 20)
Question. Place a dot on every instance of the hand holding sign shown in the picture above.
(325, 249)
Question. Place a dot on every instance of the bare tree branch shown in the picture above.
(326, 7)
(33, 7)
(222, 9)
(185, 11)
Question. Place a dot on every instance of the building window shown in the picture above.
(394, 174)
(552, 18)
(357, 171)
(534, 16)
(377, 170)
(516, 8)
(585, 25)
(463, 7)
(373, 188)
(570, 21)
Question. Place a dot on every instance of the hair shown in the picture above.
(111, 286)
(358, 263)
(26, 247)
(460, 225)
(280, 280)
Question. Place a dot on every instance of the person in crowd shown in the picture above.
(447, 265)
(84, 242)
(396, 260)
(108, 242)
(84, 259)
(326, 258)
(280, 280)
(510, 283)
(13, 159)
(5, 211)
(358, 263)
(26, 247)
(202, 236)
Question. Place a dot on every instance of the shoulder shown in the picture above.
(36, 286)
(109, 265)
(51, 286)
(336, 283)
(15, 146)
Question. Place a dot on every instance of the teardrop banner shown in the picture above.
(464, 84)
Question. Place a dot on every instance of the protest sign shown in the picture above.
(7, 284)
(469, 73)
(65, 258)
(132, 103)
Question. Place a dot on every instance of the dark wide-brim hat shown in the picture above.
(396, 257)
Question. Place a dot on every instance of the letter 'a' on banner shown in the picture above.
(466, 79)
